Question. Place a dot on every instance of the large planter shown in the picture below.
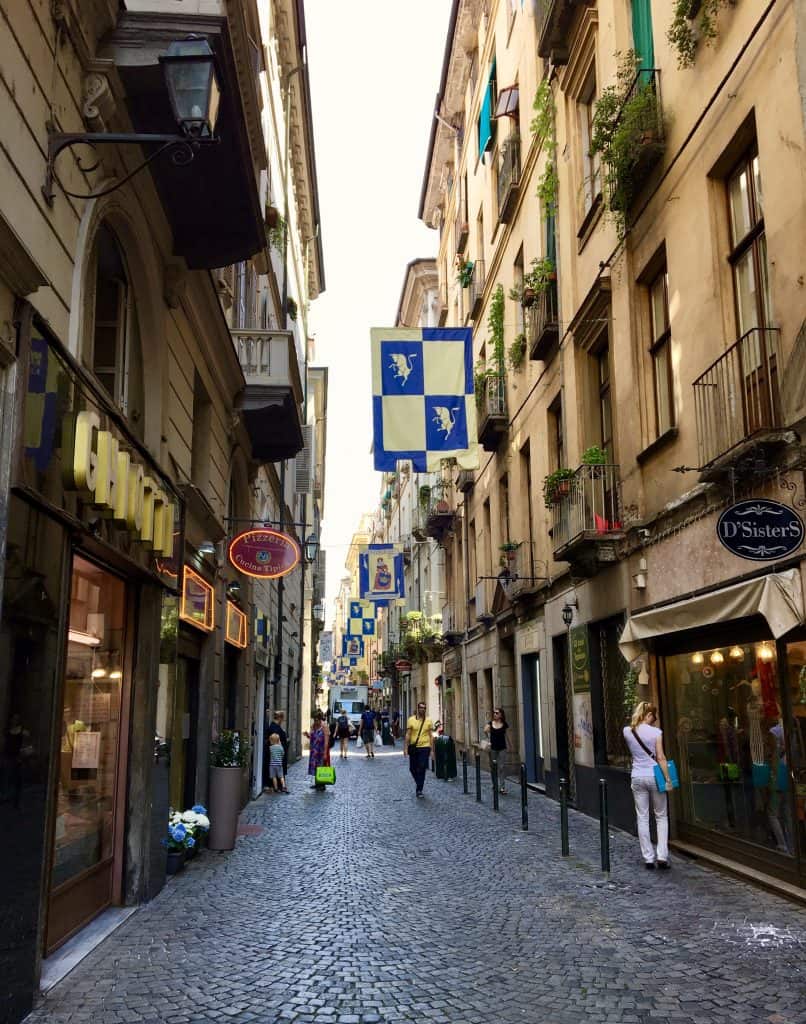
(225, 803)
(175, 862)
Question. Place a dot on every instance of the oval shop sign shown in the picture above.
(760, 530)
(264, 553)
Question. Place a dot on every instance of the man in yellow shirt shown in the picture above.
(418, 746)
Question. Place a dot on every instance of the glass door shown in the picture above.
(90, 797)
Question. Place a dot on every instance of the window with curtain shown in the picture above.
(642, 40)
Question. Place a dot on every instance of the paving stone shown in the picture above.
(363, 905)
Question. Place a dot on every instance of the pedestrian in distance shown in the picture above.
(343, 733)
(645, 742)
(276, 774)
(277, 725)
(386, 729)
(367, 726)
(320, 754)
(497, 732)
(418, 746)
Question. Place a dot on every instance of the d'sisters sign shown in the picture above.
(264, 553)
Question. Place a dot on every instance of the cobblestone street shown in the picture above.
(365, 905)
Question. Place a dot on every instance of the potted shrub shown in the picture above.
(594, 456)
(557, 485)
(464, 273)
(177, 842)
(228, 756)
(291, 306)
(509, 550)
(197, 824)
(517, 352)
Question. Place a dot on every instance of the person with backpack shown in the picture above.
(368, 731)
(343, 733)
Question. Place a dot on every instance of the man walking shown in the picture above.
(368, 731)
(418, 745)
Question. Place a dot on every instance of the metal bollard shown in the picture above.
(604, 835)
(478, 778)
(524, 805)
(494, 780)
(464, 771)
(564, 815)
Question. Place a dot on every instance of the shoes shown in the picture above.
(419, 794)
(664, 865)
(502, 790)
(649, 865)
(286, 792)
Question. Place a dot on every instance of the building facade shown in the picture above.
(141, 427)
(634, 387)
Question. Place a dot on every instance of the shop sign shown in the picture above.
(236, 626)
(580, 659)
(197, 601)
(264, 553)
(760, 530)
(403, 665)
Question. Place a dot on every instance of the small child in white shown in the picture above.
(276, 763)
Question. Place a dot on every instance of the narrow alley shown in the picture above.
(351, 907)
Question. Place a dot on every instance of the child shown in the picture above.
(276, 764)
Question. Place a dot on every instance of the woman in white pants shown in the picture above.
(645, 742)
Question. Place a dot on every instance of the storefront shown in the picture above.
(90, 520)
(732, 688)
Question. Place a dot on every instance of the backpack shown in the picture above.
(343, 721)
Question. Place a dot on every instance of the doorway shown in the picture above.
(185, 736)
(88, 823)
(533, 733)
(563, 707)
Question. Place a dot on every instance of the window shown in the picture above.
(591, 169)
(748, 255)
(526, 484)
(605, 405)
(116, 358)
(201, 434)
(556, 439)
(643, 42)
(517, 280)
(244, 307)
(503, 490)
(661, 352)
(485, 113)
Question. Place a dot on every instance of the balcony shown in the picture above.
(461, 230)
(440, 510)
(634, 143)
(509, 178)
(465, 480)
(543, 323)
(587, 520)
(737, 401)
(491, 404)
(519, 570)
(452, 633)
(475, 290)
(272, 398)
(554, 21)
(443, 303)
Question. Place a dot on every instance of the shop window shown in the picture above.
(116, 356)
(197, 601)
(735, 741)
(236, 626)
(795, 753)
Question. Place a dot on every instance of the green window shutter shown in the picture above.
(643, 43)
(486, 115)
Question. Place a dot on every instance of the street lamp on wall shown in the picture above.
(191, 80)
(568, 611)
(311, 547)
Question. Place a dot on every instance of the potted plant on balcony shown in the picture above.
(291, 307)
(557, 485)
(594, 456)
(535, 282)
(464, 271)
(509, 553)
(517, 352)
(228, 756)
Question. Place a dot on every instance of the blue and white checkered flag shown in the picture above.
(423, 407)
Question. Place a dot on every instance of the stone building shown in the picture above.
(152, 403)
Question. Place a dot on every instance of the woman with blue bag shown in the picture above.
(652, 777)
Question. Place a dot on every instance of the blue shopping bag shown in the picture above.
(660, 779)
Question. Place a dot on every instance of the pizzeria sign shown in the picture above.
(264, 553)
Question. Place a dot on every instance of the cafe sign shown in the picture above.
(760, 530)
(264, 553)
(580, 659)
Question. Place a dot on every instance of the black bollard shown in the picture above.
(478, 778)
(604, 835)
(464, 771)
(494, 779)
(524, 805)
(564, 815)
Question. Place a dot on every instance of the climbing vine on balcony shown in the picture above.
(693, 21)
(542, 128)
(495, 325)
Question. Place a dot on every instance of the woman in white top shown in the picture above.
(645, 742)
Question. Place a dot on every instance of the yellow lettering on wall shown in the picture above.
(106, 478)
(167, 545)
(134, 505)
(84, 457)
(147, 528)
(122, 496)
(159, 505)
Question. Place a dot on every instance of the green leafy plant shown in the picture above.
(516, 353)
(554, 484)
(495, 325)
(291, 306)
(627, 133)
(425, 497)
(693, 21)
(230, 750)
(464, 272)
(542, 127)
(630, 691)
(535, 282)
(509, 545)
(594, 456)
(277, 233)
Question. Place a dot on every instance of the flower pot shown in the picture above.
(272, 217)
(562, 489)
(190, 852)
(529, 296)
(225, 803)
(176, 861)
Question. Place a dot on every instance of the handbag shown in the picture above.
(325, 775)
(729, 771)
(761, 775)
(359, 743)
(413, 746)
(660, 778)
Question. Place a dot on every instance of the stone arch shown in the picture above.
(143, 264)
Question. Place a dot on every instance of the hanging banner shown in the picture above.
(326, 646)
(380, 574)
(361, 621)
(264, 553)
(352, 647)
(423, 403)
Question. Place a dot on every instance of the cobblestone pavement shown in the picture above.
(365, 905)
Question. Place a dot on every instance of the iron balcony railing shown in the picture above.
(590, 506)
(476, 289)
(542, 321)
(739, 394)
(509, 173)
(493, 398)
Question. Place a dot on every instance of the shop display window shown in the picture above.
(197, 601)
(236, 626)
(796, 731)
(91, 725)
(725, 720)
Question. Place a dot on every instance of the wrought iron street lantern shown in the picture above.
(311, 547)
(194, 92)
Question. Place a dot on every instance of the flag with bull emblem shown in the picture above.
(361, 620)
(423, 406)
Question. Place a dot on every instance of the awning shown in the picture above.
(778, 597)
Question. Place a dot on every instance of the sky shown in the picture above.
(374, 69)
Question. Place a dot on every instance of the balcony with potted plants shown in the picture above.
(491, 407)
(421, 637)
(440, 509)
(272, 399)
(554, 21)
(509, 177)
(538, 296)
(737, 403)
(586, 512)
(517, 573)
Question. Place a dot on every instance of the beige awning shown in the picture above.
(778, 597)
